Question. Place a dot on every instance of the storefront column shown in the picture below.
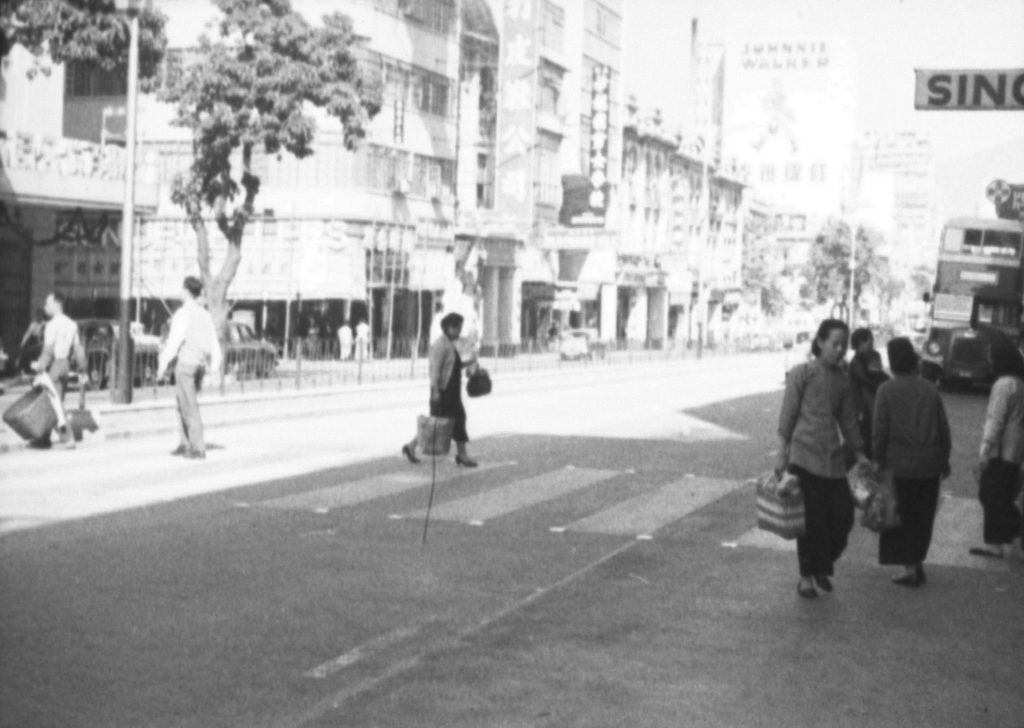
(609, 306)
(490, 282)
(657, 316)
(636, 327)
(506, 306)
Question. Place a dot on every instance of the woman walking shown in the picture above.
(819, 405)
(446, 388)
(911, 439)
(1002, 450)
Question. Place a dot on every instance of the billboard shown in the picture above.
(965, 90)
(789, 118)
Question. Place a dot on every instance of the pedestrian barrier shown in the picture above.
(265, 366)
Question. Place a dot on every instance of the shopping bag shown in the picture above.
(32, 415)
(780, 506)
(881, 512)
(435, 434)
(863, 483)
(81, 420)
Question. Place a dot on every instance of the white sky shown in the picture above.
(890, 39)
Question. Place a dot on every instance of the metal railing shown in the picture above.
(309, 363)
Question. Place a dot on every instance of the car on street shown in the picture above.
(247, 355)
(580, 344)
(100, 337)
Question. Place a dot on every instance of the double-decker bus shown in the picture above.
(978, 288)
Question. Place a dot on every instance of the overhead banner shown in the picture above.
(971, 90)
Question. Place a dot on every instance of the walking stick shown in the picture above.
(433, 481)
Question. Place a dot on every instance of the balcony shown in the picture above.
(64, 172)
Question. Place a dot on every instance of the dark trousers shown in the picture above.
(828, 508)
(917, 501)
(997, 490)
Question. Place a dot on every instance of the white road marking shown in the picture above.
(364, 650)
(646, 513)
(367, 489)
(520, 494)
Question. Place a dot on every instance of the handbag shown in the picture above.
(479, 383)
(780, 510)
(881, 512)
(435, 434)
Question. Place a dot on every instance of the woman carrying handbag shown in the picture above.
(1002, 450)
(446, 389)
(818, 405)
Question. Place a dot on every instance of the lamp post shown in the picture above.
(122, 392)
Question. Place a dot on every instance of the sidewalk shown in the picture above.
(148, 417)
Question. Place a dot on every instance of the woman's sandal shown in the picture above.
(980, 551)
(806, 590)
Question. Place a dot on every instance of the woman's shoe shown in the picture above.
(465, 462)
(992, 552)
(805, 588)
(909, 579)
(407, 451)
(824, 583)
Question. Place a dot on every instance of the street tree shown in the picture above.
(86, 31)
(761, 270)
(255, 87)
(827, 272)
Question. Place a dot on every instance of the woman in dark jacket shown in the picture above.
(819, 406)
(912, 440)
(446, 388)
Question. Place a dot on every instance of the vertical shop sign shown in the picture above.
(517, 109)
(599, 130)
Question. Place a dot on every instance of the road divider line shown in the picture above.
(363, 651)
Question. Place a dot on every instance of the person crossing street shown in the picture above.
(194, 347)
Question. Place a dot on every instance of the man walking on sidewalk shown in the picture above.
(60, 343)
(193, 344)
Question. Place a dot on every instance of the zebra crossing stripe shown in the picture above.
(646, 513)
(515, 496)
(367, 489)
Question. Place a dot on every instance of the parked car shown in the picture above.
(100, 337)
(246, 355)
(580, 344)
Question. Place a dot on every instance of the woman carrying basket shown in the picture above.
(446, 389)
(818, 405)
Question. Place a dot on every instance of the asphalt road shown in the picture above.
(610, 577)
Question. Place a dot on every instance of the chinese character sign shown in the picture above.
(599, 130)
(517, 126)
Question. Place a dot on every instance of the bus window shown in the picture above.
(1002, 243)
(972, 242)
(953, 240)
(998, 314)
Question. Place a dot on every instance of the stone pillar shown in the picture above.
(507, 331)
(490, 283)
(609, 303)
(657, 315)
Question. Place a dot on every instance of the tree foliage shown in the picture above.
(252, 87)
(828, 268)
(89, 31)
(761, 272)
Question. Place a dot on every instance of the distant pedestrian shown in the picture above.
(818, 406)
(446, 388)
(31, 342)
(866, 374)
(912, 441)
(193, 345)
(1002, 450)
(362, 340)
(60, 347)
(345, 342)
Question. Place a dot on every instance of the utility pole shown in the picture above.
(122, 393)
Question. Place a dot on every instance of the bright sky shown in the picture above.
(890, 39)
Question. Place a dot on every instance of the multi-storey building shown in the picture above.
(695, 251)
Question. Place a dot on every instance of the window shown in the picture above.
(87, 79)
(549, 179)
(992, 243)
(767, 173)
(552, 26)
(430, 94)
(792, 172)
(549, 94)
(436, 15)
(817, 173)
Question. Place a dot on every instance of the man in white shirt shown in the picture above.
(193, 344)
(362, 340)
(60, 343)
